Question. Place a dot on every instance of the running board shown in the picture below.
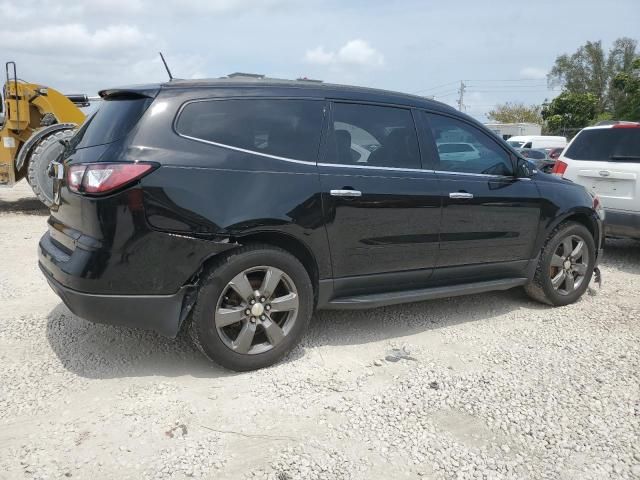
(375, 300)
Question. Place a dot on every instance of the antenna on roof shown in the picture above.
(166, 66)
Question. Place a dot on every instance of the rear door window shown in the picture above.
(372, 135)
(606, 144)
(281, 128)
(113, 120)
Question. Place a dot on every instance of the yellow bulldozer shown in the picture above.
(35, 123)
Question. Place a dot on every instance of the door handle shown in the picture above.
(460, 195)
(346, 193)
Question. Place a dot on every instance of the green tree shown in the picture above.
(627, 86)
(516, 113)
(569, 112)
(592, 70)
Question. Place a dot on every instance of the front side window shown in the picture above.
(465, 149)
(283, 128)
(371, 135)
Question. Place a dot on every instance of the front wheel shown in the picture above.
(565, 266)
(252, 308)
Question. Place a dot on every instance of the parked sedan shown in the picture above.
(540, 158)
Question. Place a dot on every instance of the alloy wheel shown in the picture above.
(256, 310)
(569, 265)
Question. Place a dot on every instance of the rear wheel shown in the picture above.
(46, 151)
(565, 266)
(252, 308)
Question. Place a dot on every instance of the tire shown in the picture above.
(548, 284)
(43, 154)
(219, 298)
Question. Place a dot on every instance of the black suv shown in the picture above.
(235, 208)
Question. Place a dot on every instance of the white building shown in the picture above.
(507, 130)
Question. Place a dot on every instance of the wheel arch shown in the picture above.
(581, 215)
(289, 243)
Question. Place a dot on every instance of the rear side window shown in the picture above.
(604, 144)
(113, 120)
(370, 135)
(283, 128)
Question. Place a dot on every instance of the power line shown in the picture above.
(509, 80)
(447, 94)
(435, 88)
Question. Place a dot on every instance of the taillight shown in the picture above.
(559, 168)
(100, 178)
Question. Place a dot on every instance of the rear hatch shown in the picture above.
(606, 161)
(102, 138)
(117, 115)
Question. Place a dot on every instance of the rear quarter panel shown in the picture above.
(209, 191)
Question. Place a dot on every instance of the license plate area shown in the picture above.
(612, 188)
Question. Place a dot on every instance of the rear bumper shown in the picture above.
(622, 224)
(160, 313)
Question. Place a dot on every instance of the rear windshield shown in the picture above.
(113, 120)
(606, 144)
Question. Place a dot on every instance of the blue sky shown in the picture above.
(502, 49)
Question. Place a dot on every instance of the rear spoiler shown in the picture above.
(129, 93)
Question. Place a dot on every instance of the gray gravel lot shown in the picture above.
(489, 386)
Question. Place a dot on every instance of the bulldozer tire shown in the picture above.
(46, 151)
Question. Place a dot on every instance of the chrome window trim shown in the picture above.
(485, 175)
(243, 150)
(446, 172)
(372, 167)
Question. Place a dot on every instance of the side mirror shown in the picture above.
(525, 168)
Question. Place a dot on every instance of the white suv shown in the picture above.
(605, 159)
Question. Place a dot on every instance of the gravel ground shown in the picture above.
(489, 386)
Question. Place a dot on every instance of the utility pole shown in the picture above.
(461, 97)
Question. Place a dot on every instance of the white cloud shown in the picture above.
(319, 56)
(353, 53)
(223, 6)
(358, 52)
(533, 73)
(73, 37)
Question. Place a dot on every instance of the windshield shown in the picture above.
(113, 120)
(606, 144)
